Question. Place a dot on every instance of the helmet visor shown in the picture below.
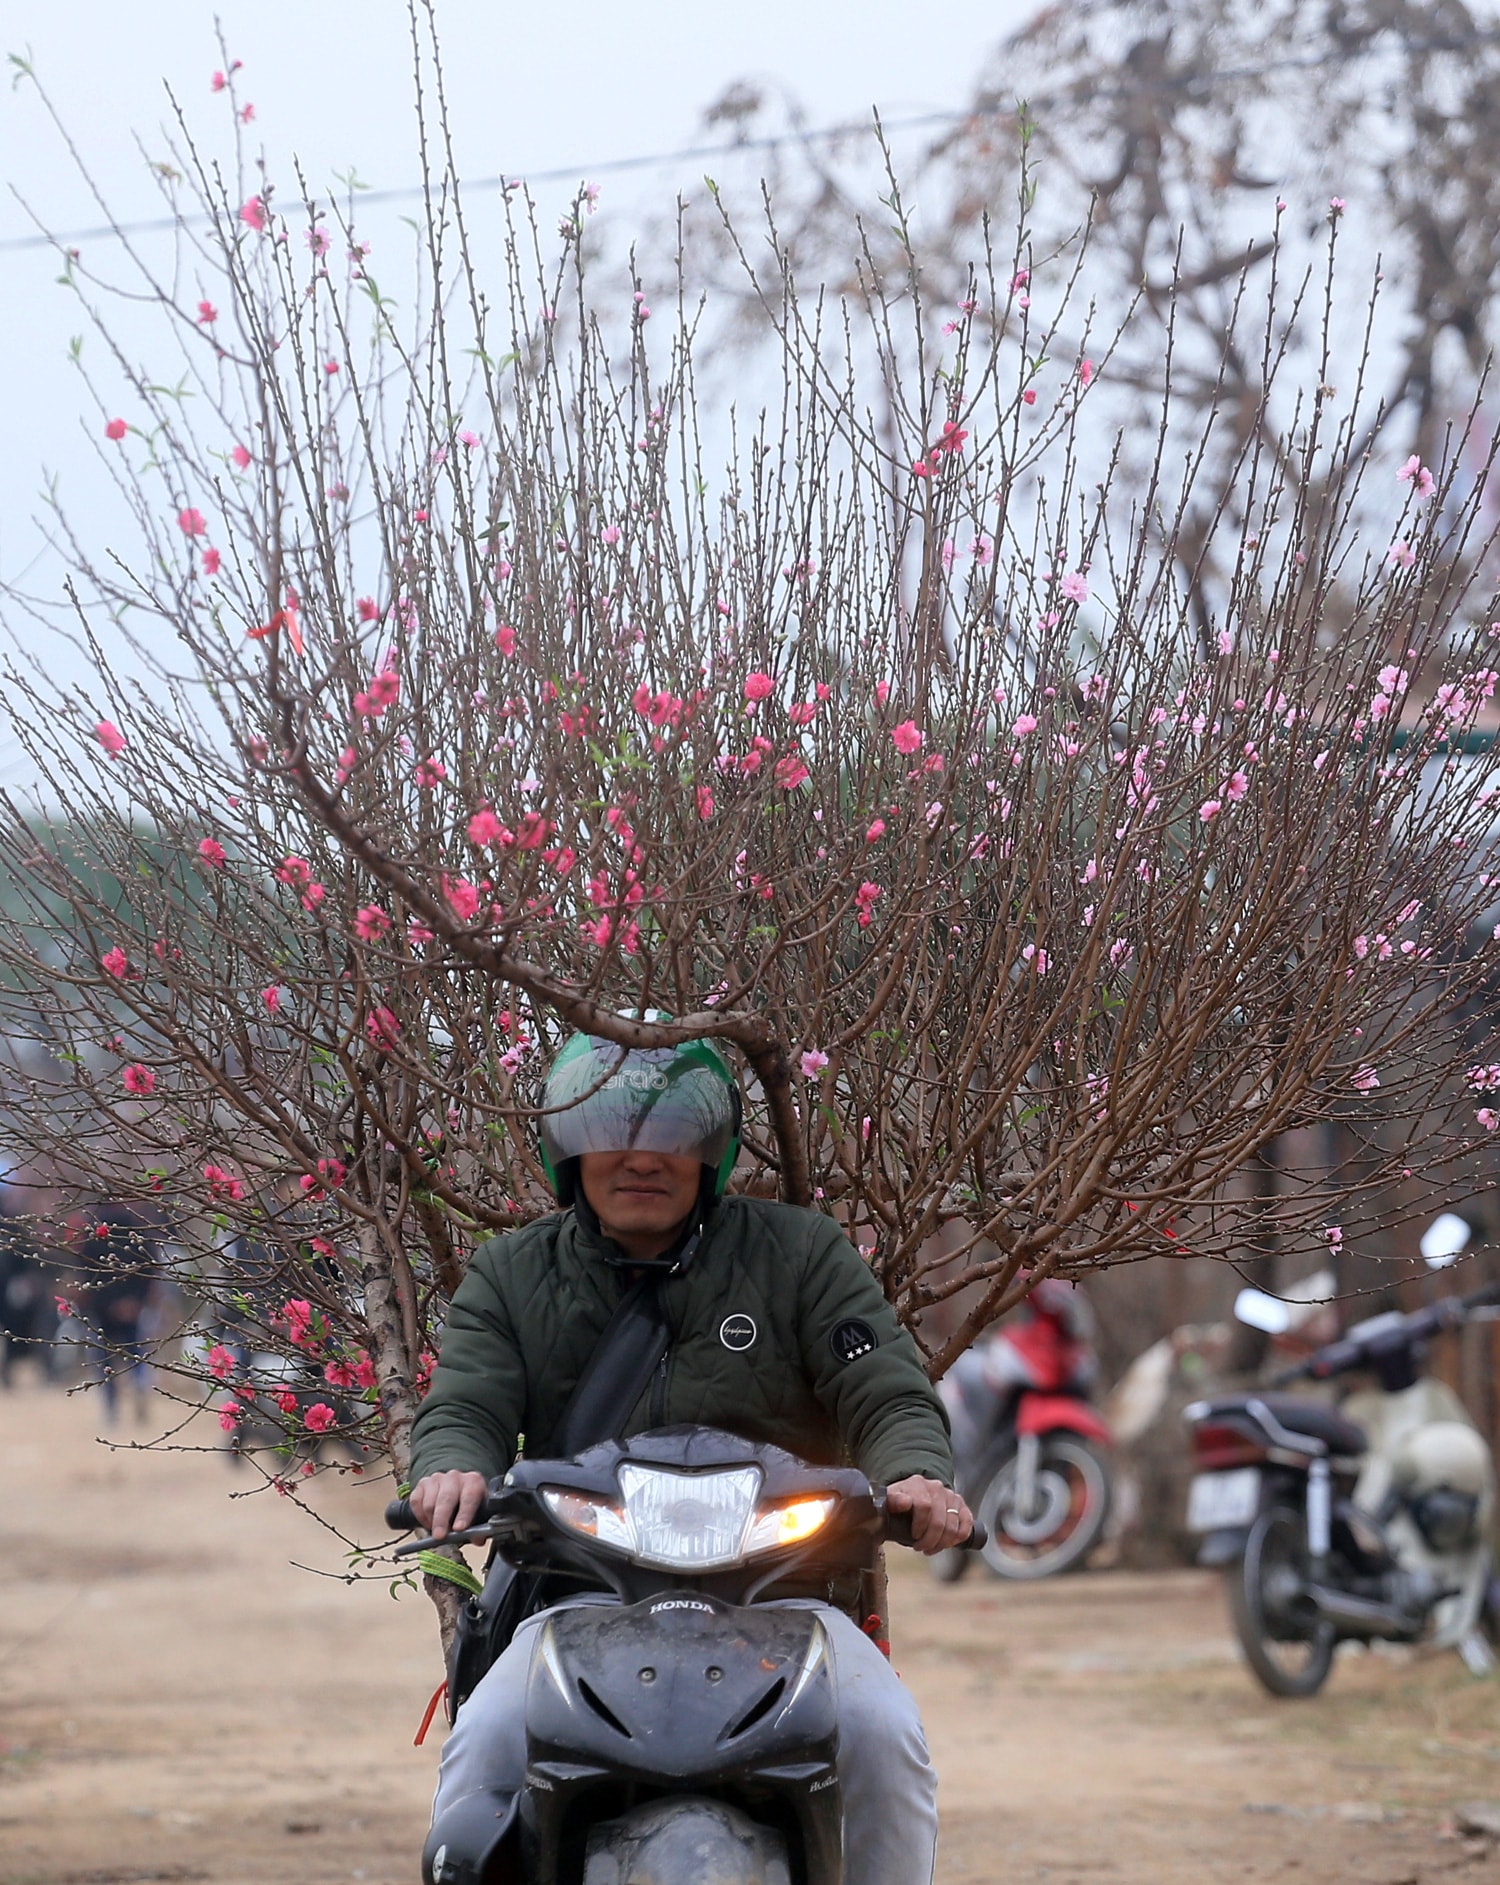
(651, 1099)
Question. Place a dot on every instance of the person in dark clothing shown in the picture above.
(777, 1331)
(28, 1321)
(120, 1264)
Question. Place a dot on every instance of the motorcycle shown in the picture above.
(689, 1731)
(1360, 1523)
(1032, 1453)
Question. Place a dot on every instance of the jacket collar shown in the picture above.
(592, 1241)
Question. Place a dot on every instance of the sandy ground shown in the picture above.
(179, 1703)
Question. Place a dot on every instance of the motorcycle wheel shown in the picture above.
(1073, 1489)
(1286, 1643)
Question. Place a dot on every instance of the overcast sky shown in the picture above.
(532, 88)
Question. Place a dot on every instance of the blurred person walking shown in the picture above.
(28, 1320)
(121, 1266)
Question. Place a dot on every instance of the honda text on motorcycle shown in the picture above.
(1365, 1522)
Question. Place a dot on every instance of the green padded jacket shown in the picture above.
(779, 1334)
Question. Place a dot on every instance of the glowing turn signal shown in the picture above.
(594, 1518)
(778, 1526)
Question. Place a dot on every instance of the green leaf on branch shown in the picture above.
(452, 1570)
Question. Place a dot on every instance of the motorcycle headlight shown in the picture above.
(689, 1521)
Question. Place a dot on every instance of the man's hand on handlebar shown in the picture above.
(939, 1517)
(451, 1501)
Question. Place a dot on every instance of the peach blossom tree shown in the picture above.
(459, 678)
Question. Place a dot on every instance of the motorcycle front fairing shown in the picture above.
(688, 1713)
(688, 1697)
(1394, 1421)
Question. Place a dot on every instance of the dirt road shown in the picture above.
(178, 1703)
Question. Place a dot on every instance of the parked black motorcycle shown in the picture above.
(1358, 1523)
(688, 1733)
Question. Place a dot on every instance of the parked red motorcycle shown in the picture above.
(1032, 1452)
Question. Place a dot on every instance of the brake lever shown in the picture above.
(491, 1529)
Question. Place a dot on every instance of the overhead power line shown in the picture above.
(1179, 83)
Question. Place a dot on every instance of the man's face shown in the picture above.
(640, 1198)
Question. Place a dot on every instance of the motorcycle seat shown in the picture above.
(1310, 1417)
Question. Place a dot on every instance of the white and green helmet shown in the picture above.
(601, 1097)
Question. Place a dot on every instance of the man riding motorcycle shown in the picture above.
(775, 1330)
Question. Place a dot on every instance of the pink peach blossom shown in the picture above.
(908, 737)
(1415, 473)
(223, 1185)
(791, 772)
(371, 923)
(384, 691)
(463, 897)
(486, 828)
(139, 1079)
(110, 738)
(382, 1030)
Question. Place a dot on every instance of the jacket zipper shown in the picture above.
(663, 1368)
(659, 1389)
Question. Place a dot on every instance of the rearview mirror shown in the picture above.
(1257, 1310)
(1444, 1239)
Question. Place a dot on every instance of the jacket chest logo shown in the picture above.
(738, 1331)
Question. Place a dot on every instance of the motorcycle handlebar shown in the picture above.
(1353, 1351)
(896, 1529)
